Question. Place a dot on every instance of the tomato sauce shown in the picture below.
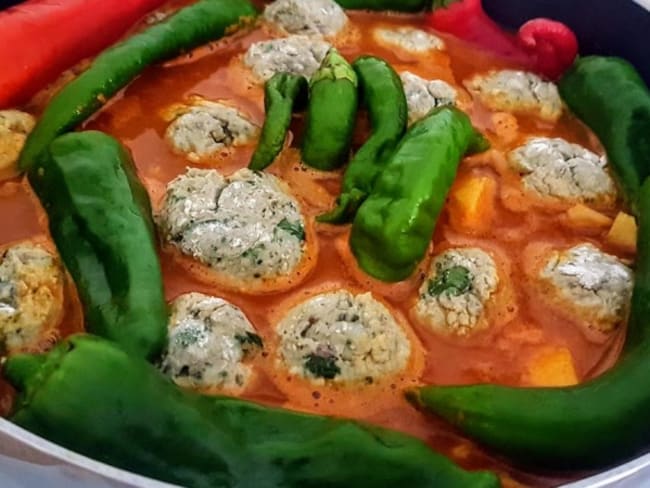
(521, 328)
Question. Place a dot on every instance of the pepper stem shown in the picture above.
(334, 67)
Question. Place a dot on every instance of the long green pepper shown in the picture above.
(204, 21)
(393, 228)
(332, 113)
(90, 396)
(610, 96)
(284, 93)
(383, 95)
(604, 420)
(590, 425)
(100, 219)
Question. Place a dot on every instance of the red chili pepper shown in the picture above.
(41, 38)
(542, 45)
(553, 45)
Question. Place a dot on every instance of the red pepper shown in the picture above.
(542, 45)
(552, 44)
(41, 38)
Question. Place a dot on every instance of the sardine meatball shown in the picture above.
(342, 337)
(517, 92)
(210, 344)
(557, 168)
(409, 39)
(422, 95)
(15, 126)
(594, 286)
(454, 295)
(31, 297)
(309, 17)
(204, 128)
(298, 55)
(246, 227)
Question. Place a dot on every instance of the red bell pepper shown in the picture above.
(41, 38)
(541, 45)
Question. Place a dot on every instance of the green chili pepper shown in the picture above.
(609, 95)
(100, 220)
(396, 5)
(332, 112)
(383, 95)
(393, 228)
(90, 396)
(283, 92)
(590, 425)
(192, 26)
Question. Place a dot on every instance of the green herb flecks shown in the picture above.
(452, 281)
(296, 229)
(249, 340)
(322, 366)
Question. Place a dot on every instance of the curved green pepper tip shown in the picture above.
(479, 145)
(377, 267)
(335, 67)
(346, 207)
(21, 369)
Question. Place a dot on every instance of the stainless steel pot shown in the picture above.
(616, 27)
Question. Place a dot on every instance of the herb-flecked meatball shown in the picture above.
(32, 285)
(458, 286)
(517, 92)
(557, 168)
(209, 342)
(593, 286)
(309, 17)
(298, 55)
(422, 95)
(246, 226)
(204, 128)
(15, 126)
(409, 39)
(342, 337)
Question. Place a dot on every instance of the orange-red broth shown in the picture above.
(522, 327)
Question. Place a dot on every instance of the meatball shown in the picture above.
(519, 92)
(298, 55)
(246, 226)
(209, 342)
(409, 39)
(309, 17)
(31, 297)
(453, 297)
(204, 128)
(422, 95)
(557, 168)
(342, 337)
(596, 287)
(15, 126)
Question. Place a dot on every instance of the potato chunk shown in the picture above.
(623, 233)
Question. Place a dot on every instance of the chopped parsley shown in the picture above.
(322, 366)
(453, 281)
(294, 228)
(249, 339)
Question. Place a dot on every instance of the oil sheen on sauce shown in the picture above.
(499, 355)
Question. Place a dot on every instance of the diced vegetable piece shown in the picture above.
(552, 367)
(623, 232)
(582, 217)
(472, 202)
